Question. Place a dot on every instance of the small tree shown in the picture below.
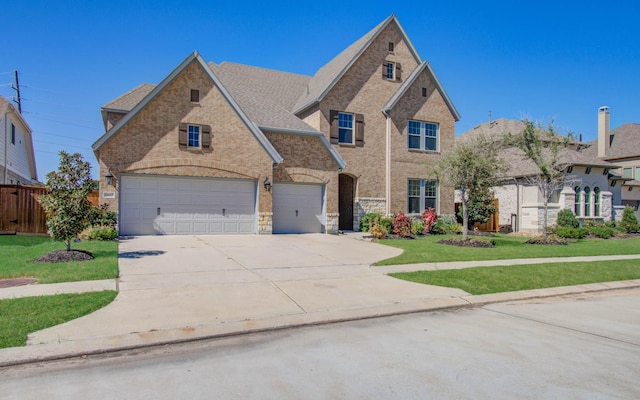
(481, 207)
(542, 146)
(472, 167)
(66, 202)
(629, 220)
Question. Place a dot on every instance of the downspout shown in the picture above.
(388, 165)
(6, 132)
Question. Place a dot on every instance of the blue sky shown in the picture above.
(545, 60)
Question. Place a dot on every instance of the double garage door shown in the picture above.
(161, 205)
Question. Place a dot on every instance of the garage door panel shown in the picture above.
(187, 205)
(297, 208)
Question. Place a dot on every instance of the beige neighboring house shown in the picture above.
(520, 204)
(232, 148)
(17, 159)
(621, 147)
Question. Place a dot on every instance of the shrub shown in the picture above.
(367, 220)
(603, 232)
(550, 240)
(446, 224)
(418, 227)
(402, 225)
(101, 216)
(99, 233)
(387, 224)
(566, 218)
(629, 222)
(571, 233)
(429, 217)
(377, 229)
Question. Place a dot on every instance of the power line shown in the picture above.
(68, 123)
(63, 136)
(64, 145)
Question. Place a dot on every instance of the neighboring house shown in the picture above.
(17, 160)
(621, 147)
(231, 148)
(520, 204)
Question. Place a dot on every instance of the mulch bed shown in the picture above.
(65, 256)
(467, 243)
(5, 283)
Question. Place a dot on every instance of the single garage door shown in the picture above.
(297, 208)
(161, 205)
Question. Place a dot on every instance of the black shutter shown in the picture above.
(384, 70)
(206, 136)
(333, 120)
(398, 71)
(182, 135)
(359, 130)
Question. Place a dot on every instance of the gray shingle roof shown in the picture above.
(127, 101)
(519, 165)
(626, 141)
(283, 88)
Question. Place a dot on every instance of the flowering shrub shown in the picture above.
(429, 216)
(402, 225)
(377, 230)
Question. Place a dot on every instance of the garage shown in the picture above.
(298, 208)
(163, 205)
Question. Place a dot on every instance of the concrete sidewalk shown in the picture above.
(177, 289)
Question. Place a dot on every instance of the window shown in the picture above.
(637, 173)
(596, 193)
(421, 194)
(13, 134)
(391, 47)
(627, 172)
(193, 138)
(578, 207)
(195, 96)
(587, 201)
(422, 135)
(345, 128)
(391, 70)
(424, 92)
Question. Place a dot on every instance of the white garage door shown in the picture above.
(297, 208)
(160, 205)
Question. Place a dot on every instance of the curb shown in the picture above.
(31, 354)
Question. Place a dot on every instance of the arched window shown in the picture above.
(596, 194)
(578, 207)
(587, 201)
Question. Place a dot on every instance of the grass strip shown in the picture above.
(20, 317)
(18, 253)
(426, 249)
(485, 280)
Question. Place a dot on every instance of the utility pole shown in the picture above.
(16, 87)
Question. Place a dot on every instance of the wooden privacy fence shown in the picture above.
(20, 211)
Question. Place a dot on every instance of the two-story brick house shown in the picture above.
(232, 148)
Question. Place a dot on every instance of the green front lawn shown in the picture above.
(425, 249)
(483, 280)
(19, 317)
(18, 253)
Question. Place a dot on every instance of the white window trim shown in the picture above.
(423, 186)
(423, 135)
(199, 136)
(353, 128)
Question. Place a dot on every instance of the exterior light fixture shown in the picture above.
(109, 178)
(267, 184)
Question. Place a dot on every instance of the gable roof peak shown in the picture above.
(329, 74)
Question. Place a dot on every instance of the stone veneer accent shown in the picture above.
(333, 222)
(265, 223)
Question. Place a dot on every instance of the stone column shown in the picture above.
(606, 205)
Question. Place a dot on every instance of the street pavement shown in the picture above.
(574, 347)
(174, 289)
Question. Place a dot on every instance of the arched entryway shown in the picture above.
(346, 193)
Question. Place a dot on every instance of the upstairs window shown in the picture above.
(193, 136)
(423, 135)
(627, 172)
(195, 96)
(391, 46)
(13, 134)
(345, 128)
(391, 70)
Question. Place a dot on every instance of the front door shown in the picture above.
(346, 192)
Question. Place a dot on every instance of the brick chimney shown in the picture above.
(603, 131)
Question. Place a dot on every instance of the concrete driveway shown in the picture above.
(179, 287)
